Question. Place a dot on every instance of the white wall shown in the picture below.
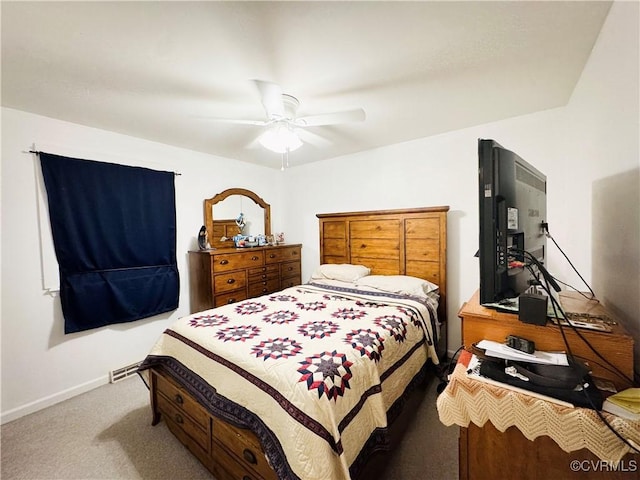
(440, 170)
(588, 149)
(604, 116)
(41, 365)
(579, 147)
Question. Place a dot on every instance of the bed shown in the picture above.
(304, 383)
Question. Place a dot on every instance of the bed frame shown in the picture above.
(410, 242)
(392, 242)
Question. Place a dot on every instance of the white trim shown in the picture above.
(50, 400)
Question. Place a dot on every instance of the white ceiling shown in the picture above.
(157, 70)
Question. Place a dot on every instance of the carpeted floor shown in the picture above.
(107, 434)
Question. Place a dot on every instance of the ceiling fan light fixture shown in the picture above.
(280, 139)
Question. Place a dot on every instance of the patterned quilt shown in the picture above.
(313, 369)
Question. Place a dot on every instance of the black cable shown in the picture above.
(582, 294)
(564, 316)
(608, 425)
(444, 381)
(571, 356)
(604, 366)
(592, 348)
(555, 303)
(546, 228)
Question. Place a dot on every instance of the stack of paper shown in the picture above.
(500, 350)
(625, 404)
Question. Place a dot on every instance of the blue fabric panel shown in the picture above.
(114, 233)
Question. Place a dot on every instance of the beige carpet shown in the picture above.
(107, 434)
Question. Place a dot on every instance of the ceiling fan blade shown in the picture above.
(258, 123)
(348, 116)
(271, 95)
(312, 139)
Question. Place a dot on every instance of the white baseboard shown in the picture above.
(50, 400)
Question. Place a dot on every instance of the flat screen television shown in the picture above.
(513, 209)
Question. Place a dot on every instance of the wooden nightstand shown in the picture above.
(480, 323)
(488, 453)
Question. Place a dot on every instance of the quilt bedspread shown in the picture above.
(319, 366)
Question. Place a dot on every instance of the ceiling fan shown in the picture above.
(283, 127)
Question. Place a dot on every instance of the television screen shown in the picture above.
(512, 208)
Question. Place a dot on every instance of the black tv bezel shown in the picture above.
(497, 183)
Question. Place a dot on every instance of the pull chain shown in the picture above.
(285, 160)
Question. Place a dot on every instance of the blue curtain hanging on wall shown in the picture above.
(114, 234)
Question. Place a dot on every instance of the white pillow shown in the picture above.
(402, 284)
(344, 272)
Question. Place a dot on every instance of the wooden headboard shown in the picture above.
(390, 242)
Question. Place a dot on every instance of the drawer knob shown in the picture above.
(231, 300)
(179, 399)
(255, 258)
(273, 255)
(290, 268)
(224, 262)
(246, 477)
(249, 456)
(231, 280)
(179, 419)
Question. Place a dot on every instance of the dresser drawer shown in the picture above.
(183, 422)
(265, 277)
(290, 269)
(177, 397)
(245, 446)
(282, 255)
(228, 275)
(225, 262)
(231, 297)
(261, 272)
(257, 289)
(230, 281)
(227, 468)
(290, 282)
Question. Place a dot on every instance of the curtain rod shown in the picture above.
(37, 152)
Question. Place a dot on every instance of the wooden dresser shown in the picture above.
(227, 275)
(485, 452)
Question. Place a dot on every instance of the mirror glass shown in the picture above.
(230, 208)
(222, 216)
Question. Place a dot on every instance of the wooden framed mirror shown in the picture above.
(230, 204)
